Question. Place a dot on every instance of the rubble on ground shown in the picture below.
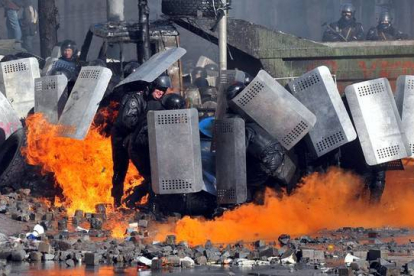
(52, 235)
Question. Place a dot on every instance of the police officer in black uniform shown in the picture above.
(345, 29)
(128, 133)
(385, 30)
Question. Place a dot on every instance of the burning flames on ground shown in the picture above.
(83, 169)
(330, 201)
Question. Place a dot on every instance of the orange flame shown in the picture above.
(83, 169)
(330, 201)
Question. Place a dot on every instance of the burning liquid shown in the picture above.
(83, 169)
(330, 201)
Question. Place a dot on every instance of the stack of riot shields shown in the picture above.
(405, 105)
(17, 83)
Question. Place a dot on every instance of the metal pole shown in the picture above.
(144, 47)
(223, 41)
(115, 10)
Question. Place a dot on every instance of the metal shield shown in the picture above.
(83, 101)
(231, 161)
(9, 120)
(271, 106)
(17, 83)
(405, 104)
(50, 98)
(175, 152)
(155, 66)
(377, 121)
(319, 93)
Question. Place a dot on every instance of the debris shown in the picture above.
(145, 261)
(92, 259)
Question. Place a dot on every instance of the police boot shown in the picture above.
(117, 189)
(139, 192)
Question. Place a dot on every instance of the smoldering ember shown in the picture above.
(207, 137)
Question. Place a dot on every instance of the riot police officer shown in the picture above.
(128, 134)
(69, 51)
(346, 28)
(385, 30)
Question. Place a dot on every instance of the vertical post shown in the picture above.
(144, 48)
(223, 41)
(115, 10)
(48, 26)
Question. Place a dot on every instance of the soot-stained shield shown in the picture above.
(319, 93)
(377, 121)
(271, 106)
(83, 101)
(175, 152)
(9, 120)
(405, 104)
(50, 98)
(17, 83)
(231, 161)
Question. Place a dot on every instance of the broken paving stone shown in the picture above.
(62, 224)
(76, 221)
(18, 255)
(259, 243)
(156, 264)
(48, 216)
(92, 259)
(173, 261)
(44, 247)
(96, 223)
(268, 252)
(345, 271)
(143, 223)
(78, 214)
(70, 263)
(361, 254)
(201, 260)
(100, 209)
(63, 245)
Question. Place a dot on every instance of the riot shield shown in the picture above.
(270, 105)
(175, 153)
(50, 98)
(54, 64)
(9, 120)
(377, 121)
(17, 83)
(83, 101)
(155, 66)
(318, 92)
(405, 104)
(231, 161)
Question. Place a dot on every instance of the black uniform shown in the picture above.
(344, 31)
(383, 34)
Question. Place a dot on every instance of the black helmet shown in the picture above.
(247, 79)
(234, 90)
(208, 92)
(201, 82)
(69, 44)
(211, 67)
(385, 20)
(163, 82)
(130, 68)
(198, 72)
(97, 62)
(173, 101)
(348, 7)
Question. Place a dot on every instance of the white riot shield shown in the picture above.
(175, 152)
(405, 104)
(17, 83)
(83, 102)
(319, 93)
(155, 66)
(271, 106)
(377, 121)
(49, 96)
(9, 120)
(231, 161)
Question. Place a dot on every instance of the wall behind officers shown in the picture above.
(385, 30)
(346, 28)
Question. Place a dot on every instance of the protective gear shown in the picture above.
(62, 71)
(234, 90)
(201, 83)
(8, 58)
(247, 79)
(130, 68)
(69, 44)
(346, 29)
(97, 62)
(163, 82)
(211, 67)
(208, 93)
(385, 31)
(173, 101)
(198, 72)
